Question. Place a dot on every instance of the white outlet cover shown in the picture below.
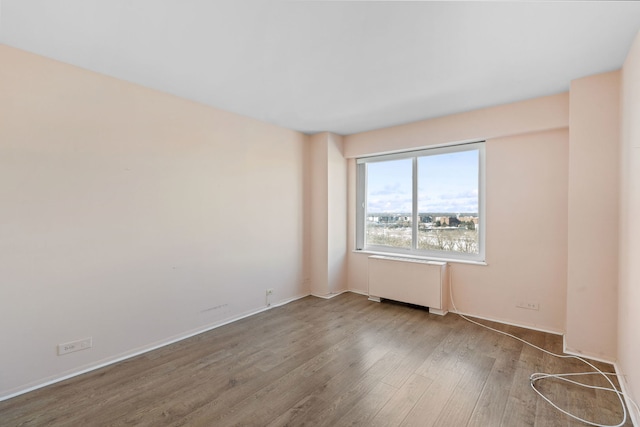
(73, 346)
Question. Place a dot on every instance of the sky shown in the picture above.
(446, 183)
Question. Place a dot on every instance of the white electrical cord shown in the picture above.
(539, 375)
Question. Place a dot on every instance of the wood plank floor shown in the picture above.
(315, 362)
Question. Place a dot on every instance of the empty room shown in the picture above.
(321, 213)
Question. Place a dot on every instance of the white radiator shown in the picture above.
(413, 281)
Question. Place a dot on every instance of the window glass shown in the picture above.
(426, 202)
(448, 202)
(389, 203)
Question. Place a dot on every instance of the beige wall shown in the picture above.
(319, 215)
(133, 217)
(629, 277)
(592, 280)
(337, 222)
(328, 215)
(526, 194)
(534, 115)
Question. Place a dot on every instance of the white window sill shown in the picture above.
(424, 258)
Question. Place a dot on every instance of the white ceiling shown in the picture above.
(344, 67)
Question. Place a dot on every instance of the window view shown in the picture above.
(425, 202)
(389, 204)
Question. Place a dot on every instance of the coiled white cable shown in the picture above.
(540, 375)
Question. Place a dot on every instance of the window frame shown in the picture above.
(361, 203)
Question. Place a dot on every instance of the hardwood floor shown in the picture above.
(316, 362)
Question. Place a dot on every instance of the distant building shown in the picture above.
(443, 220)
(473, 219)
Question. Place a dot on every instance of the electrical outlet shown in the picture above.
(269, 291)
(529, 305)
(78, 345)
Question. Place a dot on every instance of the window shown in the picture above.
(427, 203)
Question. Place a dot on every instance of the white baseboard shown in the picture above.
(141, 350)
(330, 295)
(633, 410)
(584, 355)
(505, 322)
